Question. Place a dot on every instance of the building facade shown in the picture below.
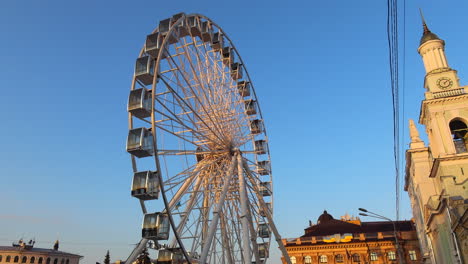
(350, 241)
(436, 175)
(22, 252)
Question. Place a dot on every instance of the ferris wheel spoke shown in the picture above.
(191, 109)
(202, 87)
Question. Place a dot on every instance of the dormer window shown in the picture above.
(459, 131)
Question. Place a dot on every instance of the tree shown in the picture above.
(107, 258)
(143, 258)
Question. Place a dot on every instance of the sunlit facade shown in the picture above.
(436, 175)
(350, 241)
(22, 253)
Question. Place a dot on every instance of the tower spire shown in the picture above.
(425, 28)
(416, 141)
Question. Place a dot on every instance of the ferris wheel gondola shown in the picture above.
(199, 148)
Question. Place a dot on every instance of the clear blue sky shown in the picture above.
(322, 77)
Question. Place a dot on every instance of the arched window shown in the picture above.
(0, 258)
(16, 259)
(48, 261)
(68, 261)
(459, 131)
(308, 260)
(339, 258)
(63, 261)
(55, 261)
(293, 260)
(391, 255)
(356, 258)
(39, 261)
(24, 259)
(7, 259)
(32, 260)
(373, 256)
(323, 259)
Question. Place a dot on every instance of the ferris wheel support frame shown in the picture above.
(267, 214)
(244, 211)
(216, 211)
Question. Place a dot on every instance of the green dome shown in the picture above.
(428, 36)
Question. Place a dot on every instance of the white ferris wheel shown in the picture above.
(199, 149)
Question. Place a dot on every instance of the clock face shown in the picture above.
(444, 83)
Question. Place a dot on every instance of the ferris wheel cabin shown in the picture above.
(218, 42)
(263, 251)
(260, 146)
(206, 31)
(166, 256)
(262, 212)
(163, 29)
(153, 45)
(139, 103)
(155, 226)
(250, 107)
(265, 188)
(244, 88)
(256, 126)
(194, 26)
(236, 71)
(140, 142)
(145, 185)
(263, 167)
(182, 28)
(228, 56)
(263, 231)
(144, 69)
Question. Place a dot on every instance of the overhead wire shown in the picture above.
(392, 37)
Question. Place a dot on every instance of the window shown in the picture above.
(8, 258)
(356, 258)
(459, 134)
(323, 259)
(412, 255)
(308, 260)
(373, 256)
(32, 260)
(391, 255)
(48, 261)
(16, 259)
(39, 261)
(55, 261)
(24, 259)
(68, 261)
(293, 260)
(0, 258)
(339, 258)
(63, 261)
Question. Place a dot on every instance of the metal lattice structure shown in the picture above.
(199, 148)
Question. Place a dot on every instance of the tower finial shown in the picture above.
(425, 28)
(416, 141)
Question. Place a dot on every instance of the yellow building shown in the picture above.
(22, 252)
(350, 241)
(436, 175)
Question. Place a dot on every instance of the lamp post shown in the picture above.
(374, 215)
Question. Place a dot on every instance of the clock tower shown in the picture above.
(437, 175)
(440, 78)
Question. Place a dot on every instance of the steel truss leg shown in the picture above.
(267, 214)
(244, 212)
(214, 222)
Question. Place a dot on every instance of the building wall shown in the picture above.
(35, 258)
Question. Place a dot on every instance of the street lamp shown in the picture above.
(374, 215)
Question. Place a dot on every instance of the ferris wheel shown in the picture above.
(199, 149)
